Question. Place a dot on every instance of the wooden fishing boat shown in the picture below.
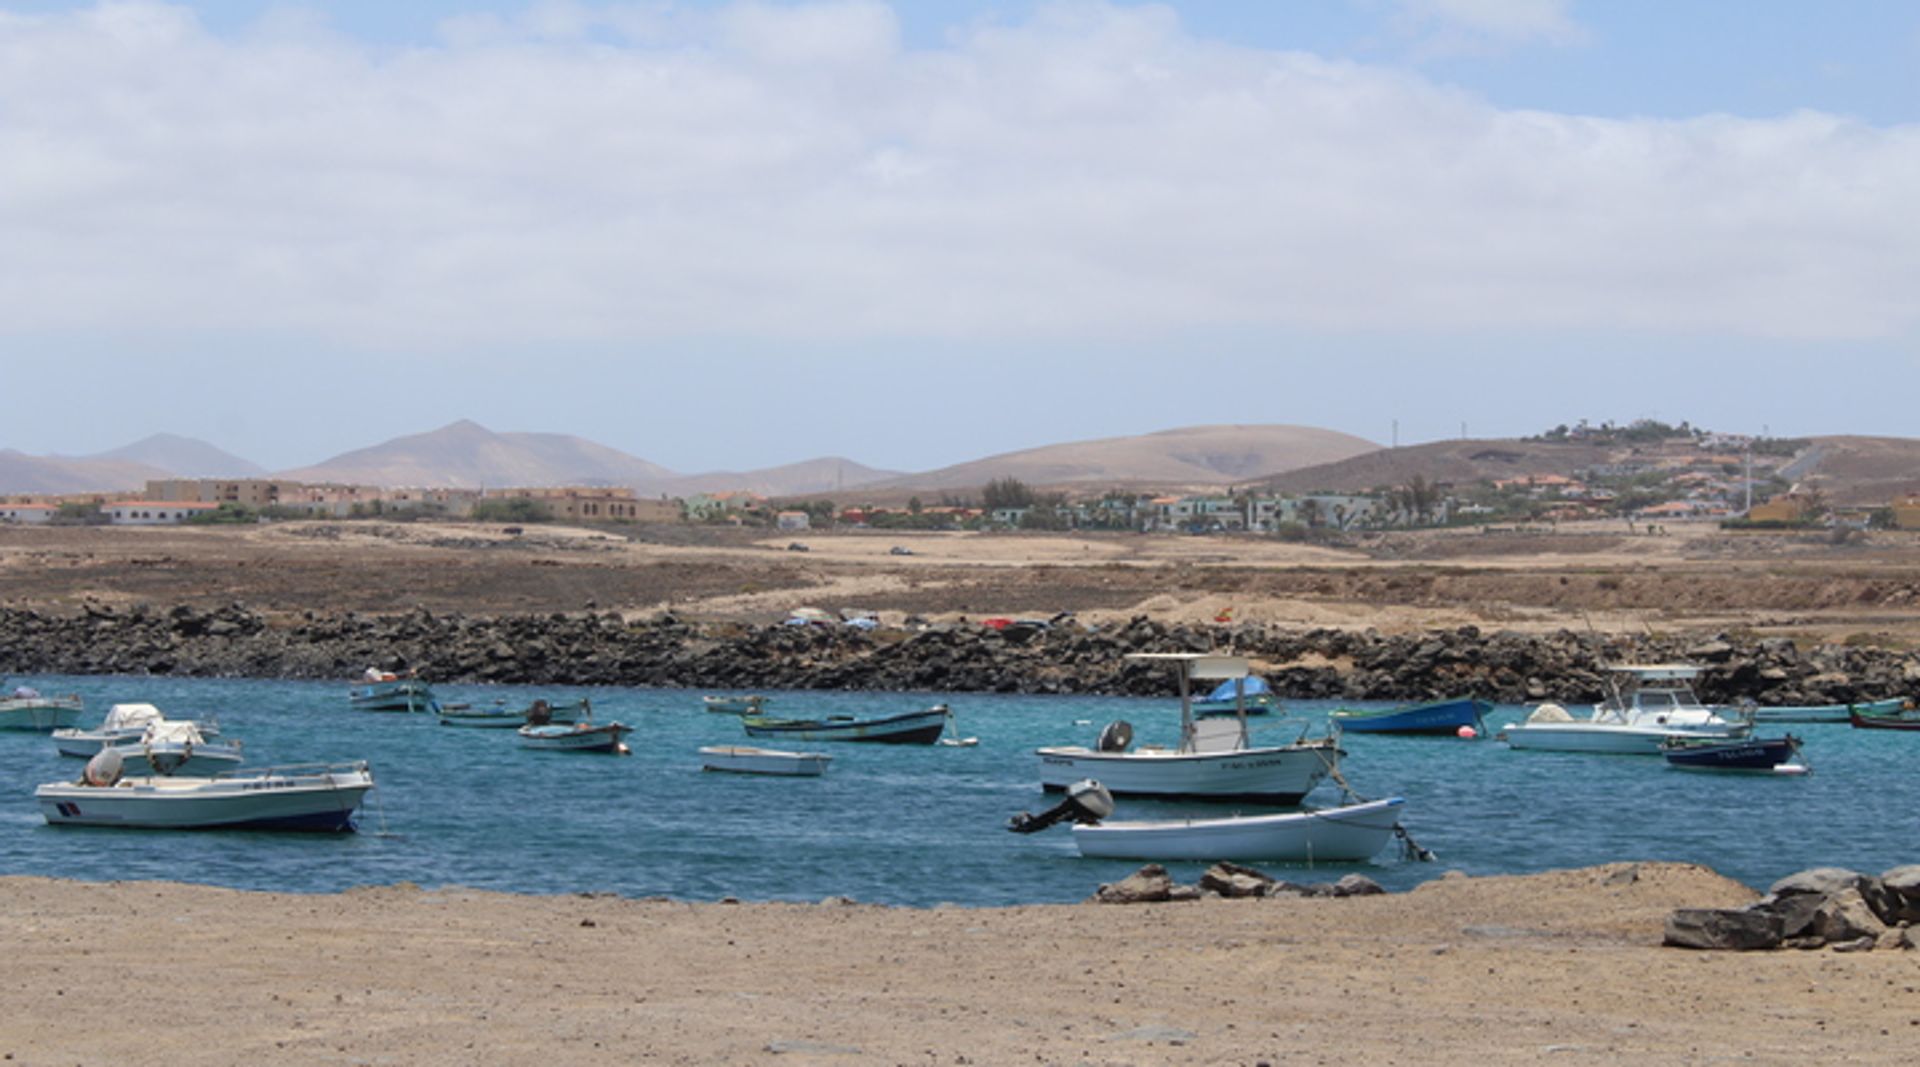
(911, 728)
(1769, 754)
(1903, 718)
(577, 737)
(1801, 713)
(502, 717)
(1437, 717)
(387, 691)
(1351, 833)
(744, 759)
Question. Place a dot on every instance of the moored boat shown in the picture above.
(1213, 759)
(1803, 713)
(386, 691)
(1770, 754)
(1437, 717)
(1654, 702)
(576, 737)
(177, 748)
(744, 759)
(1351, 833)
(1901, 718)
(27, 709)
(735, 705)
(500, 716)
(910, 728)
(124, 722)
(311, 797)
(1235, 695)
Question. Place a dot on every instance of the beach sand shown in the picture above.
(1563, 967)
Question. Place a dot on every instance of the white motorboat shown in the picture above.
(1351, 833)
(26, 709)
(744, 759)
(1214, 759)
(577, 737)
(312, 797)
(125, 723)
(1651, 703)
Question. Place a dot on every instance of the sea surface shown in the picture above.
(913, 825)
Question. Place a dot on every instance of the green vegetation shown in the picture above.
(514, 509)
(227, 514)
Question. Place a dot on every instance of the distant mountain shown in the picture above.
(1455, 462)
(184, 457)
(52, 475)
(1192, 456)
(811, 477)
(468, 455)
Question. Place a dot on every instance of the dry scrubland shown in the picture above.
(1561, 968)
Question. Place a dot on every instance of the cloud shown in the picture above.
(1481, 26)
(775, 173)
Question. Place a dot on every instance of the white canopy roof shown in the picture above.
(181, 731)
(130, 716)
(1201, 664)
(1657, 672)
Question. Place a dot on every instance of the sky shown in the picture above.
(726, 235)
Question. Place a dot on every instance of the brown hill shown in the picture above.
(1194, 456)
(1446, 462)
(1859, 470)
(829, 474)
(53, 475)
(468, 455)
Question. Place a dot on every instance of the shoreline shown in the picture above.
(1459, 970)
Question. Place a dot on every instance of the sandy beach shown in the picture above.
(1562, 967)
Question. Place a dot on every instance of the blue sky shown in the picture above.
(726, 235)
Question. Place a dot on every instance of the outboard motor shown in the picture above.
(104, 768)
(1087, 803)
(1116, 736)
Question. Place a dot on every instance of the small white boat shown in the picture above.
(577, 737)
(386, 691)
(500, 716)
(1654, 704)
(124, 722)
(177, 748)
(1351, 833)
(736, 705)
(26, 709)
(744, 759)
(313, 797)
(1214, 759)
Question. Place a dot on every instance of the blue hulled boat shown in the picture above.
(1438, 717)
(1748, 754)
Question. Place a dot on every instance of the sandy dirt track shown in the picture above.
(1557, 968)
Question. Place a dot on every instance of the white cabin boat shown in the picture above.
(124, 722)
(1214, 759)
(313, 797)
(177, 748)
(1352, 833)
(26, 709)
(745, 759)
(1650, 704)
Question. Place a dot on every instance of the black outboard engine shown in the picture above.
(1087, 803)
(1116, 736)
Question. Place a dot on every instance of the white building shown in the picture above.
(34, 514)
(153, 512)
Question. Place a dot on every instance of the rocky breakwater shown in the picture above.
(1818, 908)
(602, 648)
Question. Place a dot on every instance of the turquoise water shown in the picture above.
(907, 825)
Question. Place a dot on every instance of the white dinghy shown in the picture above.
(745, 759)
(1351, 833)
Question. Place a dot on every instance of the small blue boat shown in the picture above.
(1438, 717)
(1749, 754)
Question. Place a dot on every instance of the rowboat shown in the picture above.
(735, 705)
(1772, 754)
(911, 728)
(1826, 712)
(1231, 697)
(1653, 703)
(1213, 759)
(313, 797)
(1904, 718)
(1351, 833)
(386, 691)
(577, 737)
(26, 709)
(743, 759)
(499, 716)
(1438, 717)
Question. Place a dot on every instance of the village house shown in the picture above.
(792, 520)
(153, 512)
(30, 514)
(593, 504)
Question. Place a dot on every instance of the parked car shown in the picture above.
(797, 546)
(899, 550)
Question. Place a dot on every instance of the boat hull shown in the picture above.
(1892, 720)
(1827, 712)
(1752, 754)
(312, 802)
(404, 695)
(1350, 834)
(1606, 739)
(1274, 775)
(912, 728)
(507, 719)
(38, 713)
(740, 759)
(576, 738)
(1440, 717)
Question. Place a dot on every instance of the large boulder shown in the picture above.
(1736, 929)
(1846, 916)
(1233, 880)
(1903, 892)
(1147, 885)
